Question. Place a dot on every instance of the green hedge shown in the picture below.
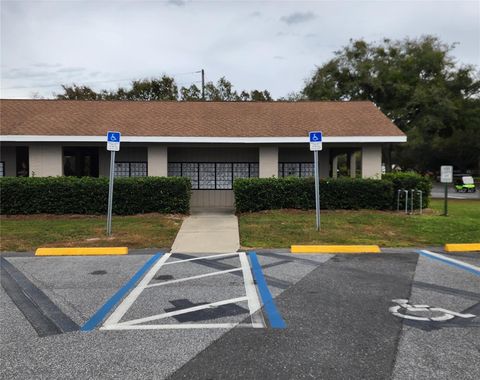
(255, 194)
(86, 195)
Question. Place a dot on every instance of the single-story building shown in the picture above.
(212, 143)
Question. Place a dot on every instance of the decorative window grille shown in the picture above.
(213, 175)
(296, 169)
(131, 169)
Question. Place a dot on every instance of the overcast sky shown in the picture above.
(273, 45)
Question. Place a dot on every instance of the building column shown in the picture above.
(45, 160)
(353, 164)
(335, 166)
(372, 161)
(157, 157)
(268, 161)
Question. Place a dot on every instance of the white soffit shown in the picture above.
(196, 139)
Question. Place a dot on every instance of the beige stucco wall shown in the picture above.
(45, 160)
(372, 161)
(212, 198)
(268, 161)
(8, 156)
(157, 157)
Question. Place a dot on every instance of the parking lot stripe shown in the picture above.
(253, 301)
(98, 317)
(174, 326)
(133, 295)
(194, 277)
(202, 258)
(276, 320)
(453, 262)
(183, 311)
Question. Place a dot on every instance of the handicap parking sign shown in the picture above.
(315, 140)
(113, 141)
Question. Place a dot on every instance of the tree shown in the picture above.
(222, 92)
(417, 84)
(260, 96)
(164, 88)
(190, 93)
(75, 92)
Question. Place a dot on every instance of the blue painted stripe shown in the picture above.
(100, 315)
(453, 264)
(276, 320)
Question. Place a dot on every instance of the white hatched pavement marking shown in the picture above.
(174, 326)
(194, 277)
(113, 322)
(182, 311)
(202, 258)
(253, 301)
(127, 302)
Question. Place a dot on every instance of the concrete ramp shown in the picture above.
(208, 232)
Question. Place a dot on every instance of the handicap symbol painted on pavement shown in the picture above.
(404, 304)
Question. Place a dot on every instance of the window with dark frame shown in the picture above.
(2, 169)
(213, 175)
(131, 169)
(296, 169)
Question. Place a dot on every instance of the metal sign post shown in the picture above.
(316, 145)
(446, 177)
(113, 145)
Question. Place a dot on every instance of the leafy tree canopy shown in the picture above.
(418, 85)
(164, 88)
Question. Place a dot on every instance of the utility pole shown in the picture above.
(203, 84)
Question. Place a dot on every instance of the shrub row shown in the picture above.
(86, 195)
(257, 194)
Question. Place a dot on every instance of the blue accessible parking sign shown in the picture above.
(113, 136)
(315, 140)
(315, 137)
(113, 141)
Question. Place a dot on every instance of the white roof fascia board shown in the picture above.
(197, 139)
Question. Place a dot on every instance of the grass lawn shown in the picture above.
(282, 228)
(26, 233)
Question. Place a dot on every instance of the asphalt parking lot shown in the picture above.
(438, 191)
(336, 310)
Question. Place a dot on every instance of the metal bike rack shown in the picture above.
(402, 193)
(399, 193)
(420, 208)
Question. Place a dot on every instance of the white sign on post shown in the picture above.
(113, 145)
(315, 141)
(113, 141)
(446, 174)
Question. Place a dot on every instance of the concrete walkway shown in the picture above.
(212, 231)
